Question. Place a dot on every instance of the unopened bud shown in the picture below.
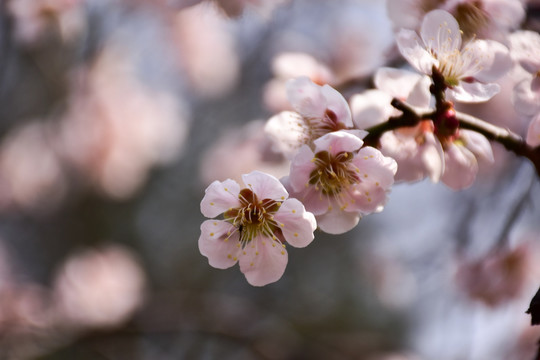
(446, 122)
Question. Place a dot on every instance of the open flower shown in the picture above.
(435, 149)
(484, 19)
(533, 132)
(258, 221)
(416, 149)
(319, 110)
(340, 181)
(497, 277)
(289, 65)
(467, 68)
(525, 47)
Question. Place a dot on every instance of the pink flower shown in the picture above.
(428, 149)
(461, 159)
(318, 110)
(339, 181)
(240, 150)
(467, 69)
(99, 288)
(288, 65)
(258, 221)
(485, 19)
(417, 150)
(372, 107)
(533, 132)
(36, 20)
(497, 277)
(525, 46)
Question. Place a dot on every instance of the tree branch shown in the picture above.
(411, 116)
(508, 139)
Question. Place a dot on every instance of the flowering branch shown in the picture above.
(508, 139)
(411, 117)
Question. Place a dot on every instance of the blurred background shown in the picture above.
(115, 115)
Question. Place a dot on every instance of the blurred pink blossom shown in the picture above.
(206, 50)
(351, 40)
(36, 18)
(290, 65)
(525, 46)
(240, 151)
(116, 128)
(231, 8)
(31, 171)
(525, 49)
(486, 19)
(99, 288)
(498, 276)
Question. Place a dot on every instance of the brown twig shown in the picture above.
(411, 117)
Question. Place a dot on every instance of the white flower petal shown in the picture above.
(525, 46)
(432, 155)
(301, 168)
(219, 197)
(526, 101)
(314, 201)
(404, 149)
(337, 104)
(306, 97)
(397, 83)
(370, 108)
(508, 14)
(494, 60)
(461, 167)
(410, 46)
(375, 168)
(405, 13)
(298, 224)
(474, 92)
(293, 64)
(337, 142)
(222, 253)
(368, 198)
(288, 132)
(477, 144)
(337, 221)
(265, 186)
(420, 95)
(533, 132)
(440, 32)
(263, 261)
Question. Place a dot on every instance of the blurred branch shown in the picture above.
(514, 213)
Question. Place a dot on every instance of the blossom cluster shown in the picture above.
(345, 153)
(334, 180)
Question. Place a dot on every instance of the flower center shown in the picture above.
(321, 126)
(333, 172)
(254, 217)
(428, 5)
(472, 18)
